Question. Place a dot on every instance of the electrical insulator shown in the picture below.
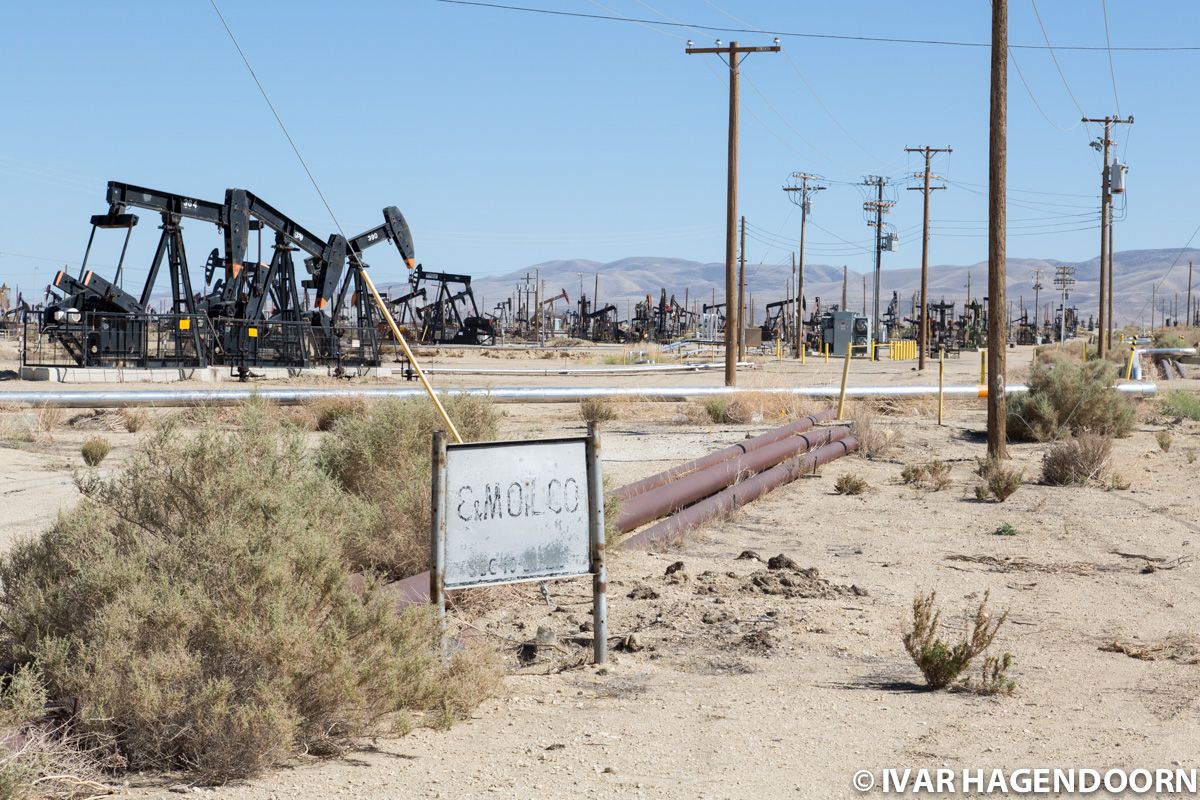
(1116, 177)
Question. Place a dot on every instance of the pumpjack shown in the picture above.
(249, 314)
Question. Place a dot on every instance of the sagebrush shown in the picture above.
(849, 483)
(1068, 397)
(1000, 481)
(194, 610)
(383, 456)
(940, 661)
(933, 475)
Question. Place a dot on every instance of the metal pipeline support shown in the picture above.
(689, 488)
(738, 495)
(121, 398)
(658, 479)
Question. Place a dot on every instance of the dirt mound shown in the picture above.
(803, 583)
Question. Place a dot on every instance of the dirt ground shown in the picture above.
(728, 682)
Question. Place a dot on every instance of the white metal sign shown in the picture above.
(516, 511)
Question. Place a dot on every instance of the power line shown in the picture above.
(278, 119)
(1108, 46)
(1054, 58)
(1036, 104)
(805, 35)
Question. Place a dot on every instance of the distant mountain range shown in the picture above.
(631, 279)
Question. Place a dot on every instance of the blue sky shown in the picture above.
(511, 138)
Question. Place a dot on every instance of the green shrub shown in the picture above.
(384, 458)
(1077, 461)
(1068, 396)
(1180, 403)
(940, 662)
(94, 450)
(195, 611)
(1005, 529)
(849, 483)
(597, 409)
(717, 409)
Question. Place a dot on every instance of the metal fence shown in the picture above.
(125, 341)
(129, 341)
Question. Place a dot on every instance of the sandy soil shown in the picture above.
(727, 690)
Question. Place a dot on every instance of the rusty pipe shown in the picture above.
(738, 495)
(661, 478)
(689, 488)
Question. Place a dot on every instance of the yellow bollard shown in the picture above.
(982, 365)
(941, 382)
(845, 377)
(803, 351)
(1129, 366)
(827, 352)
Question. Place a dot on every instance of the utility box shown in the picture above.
(845, 328)
(753, 337)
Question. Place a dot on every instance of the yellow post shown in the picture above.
(941, 382)
(845, 377)
(982, 366)
(450, 428)
(803, 351)
(1129, 366)
(1084, 351)
(827, 352)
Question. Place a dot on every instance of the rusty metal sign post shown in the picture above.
(518, 512)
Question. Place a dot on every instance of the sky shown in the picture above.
(510, 138)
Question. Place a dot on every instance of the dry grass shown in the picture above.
(940, 662)
(94, 450)
(1164, 440)
(597, 409)
(849, 483)
(194, 610)
(38, 757)
(1077, 461)
(134, 419)
(874, 440)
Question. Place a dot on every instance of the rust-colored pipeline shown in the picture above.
(662, 478)
(738, 495)
(689, 488)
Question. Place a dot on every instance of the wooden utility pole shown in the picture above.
(1037, 289)
(733, 56)
(845, 283)
(1112, 254)
(878, 207)
(1103, 144)
(1190, 318)
(741, 299)
(997, 428)
(804, 200)
(923, 321)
